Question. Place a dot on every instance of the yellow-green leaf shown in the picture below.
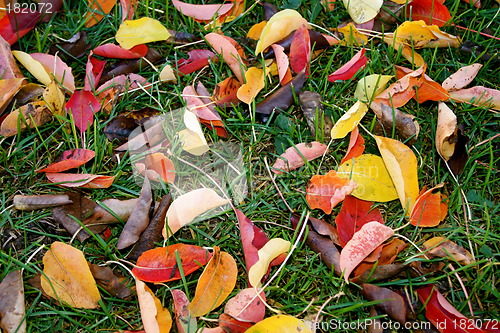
(141, 31)
(267, 253)
(280, 324)
(362, 11)
(371, 175)
(371, 86)
(349, 120)
(401, 163)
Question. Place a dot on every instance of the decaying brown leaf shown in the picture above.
(391, 303)
(312, 106)
(444, 248)
(106, 278)
(12, 308)
(405, 124)
(130, 66)
(112, 211)
(77, 46)
(32, 202)
(30, 115)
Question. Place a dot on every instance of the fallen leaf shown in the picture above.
(418, 34)
(67, 277)
(352, 36)
(401, 91)
(83, 180)
(12, 308)
(280, 324)
(120, 211)
(279, 26)
(29, 92)
(356, 146)
(429, 209)
(157, 167)
(109, 91)
(312, 106)
(296, 156)
(282, 62)
(141, 31)
(106, 278)
(155, 318)
(430, 90)
(247, 306)
(254, 83)
(82, 105)
(129, 66)
(350, 68)
(215, 283)
(353, 214)
(205, 12)
(479, 96)
(252, 239)
(116, 51)
(32, 202)
(316, 39)
(402, 166)
(362, 11)
(183, 320)
(325, 192)
(8, 89)
(272, 249)
(256, 30)
(370, 86)
(444, 248)
(54, 99)
(167, 75)
(230, 324)
(225, 92)
(33, 66)
(430, 11)
(31, 115)
(461, 78)
(349, 120)
(197, 59)
(53, 65)
(70, 159)
(15, 25)
(197, 105)
(367, 239)
(389, 118)
(300, 50)
(8, 67)
(93, 72)
(138, 220)
(77, 46)
(192, 137)
(161, 265)
(97, 9)
(390, 302)
(371, 176)
(227, 48)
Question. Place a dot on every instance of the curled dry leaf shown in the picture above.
(352, 36)
(325, 192)
(444, 248)
(167, 75)
(312, 106)
(70, 159)
(390, 117)
(106, 278)
(401, 91)
(430, 90)
(161, 265)
(267, 253)
(362, 11)
(390, 302)
(182, 211)
(215, 283)
(370, 174)
(350, 68)
(12, 308)
(282, 63)
(71, 215)
(461, 78)
(155, 317)
(30, 115)
(183, 320)
(228, 49)
(367, 239)
(32, 202)
(139, 218)
(141, 31)
(349, 120)
(66, 277)
(280, 324)
(295, 156)
(247, 306)
(429, 209)
(80, 180)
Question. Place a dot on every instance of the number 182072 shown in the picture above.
(29, 8)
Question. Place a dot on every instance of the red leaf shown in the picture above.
(70, 159)
(367, 239)
(55, 66)
(83, 104)
(202, 12)
(128, 9)
(350, 68)
(429, 210)
(252, 239)
(80, 180)
(325, 192)
(300, 50)
(93, 72)
(183, 319)
(14, 26)
(229, 324)
(197, 59)
(356, 146)
(160, 264)
(430, 11)
(353, 215)
(116, 51)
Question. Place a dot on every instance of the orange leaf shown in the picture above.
(356, 146)
(70, 159)
(401, 91)
(430, 11)
(430, 90)
(158, 167)
(325, 192)
(80, 180)
(255, 82)
(97, 10)
(225, 92)
(429, 210)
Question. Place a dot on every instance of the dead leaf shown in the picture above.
(362, 11)
(129, 66)
(184, 321)
(479, 96)
(108, 280)
(70, 159)
(280, 324)
(54, 66)
(97, 9)
(430, 90)
(247, 306)
(325, 192)
(30, 115)
(205, 12)
(370, 86)
(197, 59)
(389, 117)
(228, 49)
(444, 248)
(140, 31)
(390, 302)
(67, 277)
(225, 92)
(282, 62)
(80, 180)
(254, 83)
(215, 283)
(32, 202)
(12, 308)
(367, 239)
(296, 156)
(112, 211)
(8, 66)
(157, 167)
(429, 209)
(161, 265)
(271, 250)
(461, 78)
(77, 46)
(197, 105)
(82, 105)
(349, 120)
(229, 324)
(33, 66)
(110, 50)
(8, 89)
(300, 50)
(312, 106)
(350, 68)
(155, 318)
(54, 98)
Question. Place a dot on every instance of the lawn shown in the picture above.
(304, 286)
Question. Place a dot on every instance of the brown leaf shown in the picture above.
(380, 273)
(405, 124)
(30, 115)
(391, 303)
(30, 92)
(139, 218)
(312, 106)
(444, 248)
(12, 308)
(77, 46)
(32, 202)
(8, 66)
(8, 89)
(130, 66)
(112, 211)
(106, 278)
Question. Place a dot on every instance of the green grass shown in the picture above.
(305, 284)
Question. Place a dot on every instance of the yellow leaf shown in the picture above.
(371, 175)
(362, 11)
(215, 283)
(141, 31)
(67, 277)
(34, 114)
(34, 67)
(54, 98)
(371, 86)
(193, 139)
(256, 30)
(419, 34)
(349, 120)
(446, 132)
(352, 36)
(278, 27)
(280, 324)
(155, 318)
(267, 253)
(254, 78)
(402, 166)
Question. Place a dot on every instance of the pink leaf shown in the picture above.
(252, 239)
(367, 239)
(295, 157)
(350, 68)
(282, 62)
(196, 105)
(183, 320)
(116, 51)
(54, 65)
(80, 180)
(128, 9)
(480, 96)
(202, 12)
(300, 50)
(197, 60)
(225, 46)
(247, 306)
(83, 104)
(93, 72)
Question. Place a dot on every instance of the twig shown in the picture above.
(276, 186)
